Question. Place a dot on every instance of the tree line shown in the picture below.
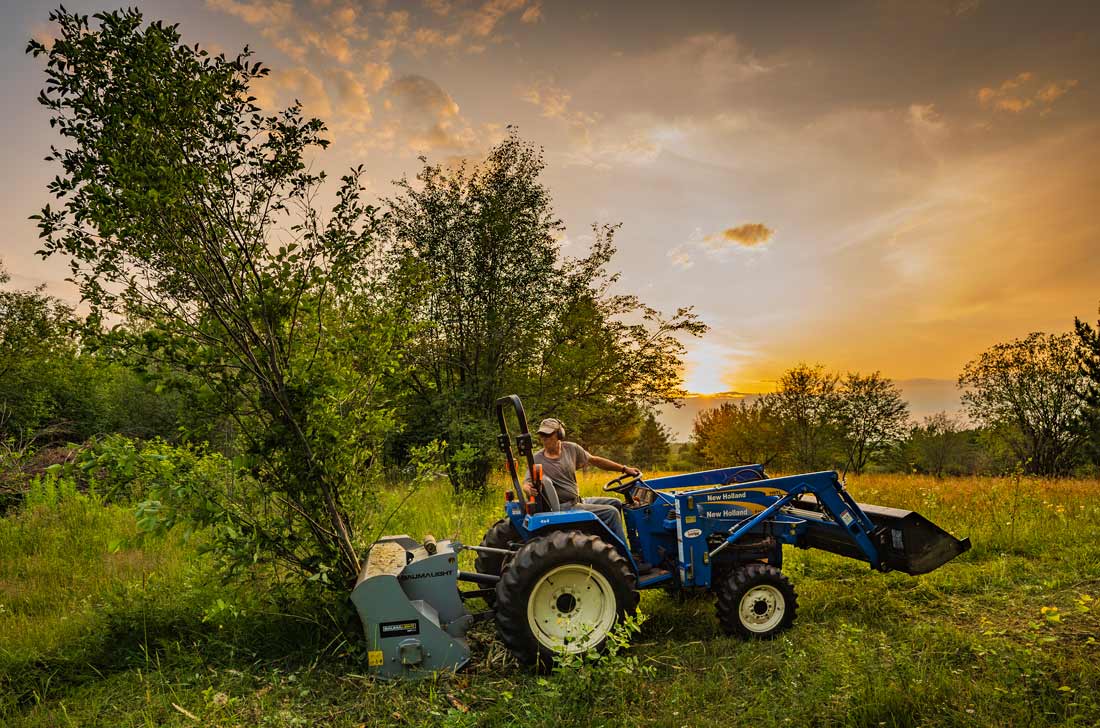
(1032, 405)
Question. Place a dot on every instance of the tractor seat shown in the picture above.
(550, 495)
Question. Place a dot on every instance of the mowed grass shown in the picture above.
(101, 627)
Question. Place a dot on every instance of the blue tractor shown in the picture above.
(565, 579)
(558, 580)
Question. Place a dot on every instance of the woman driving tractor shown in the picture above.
(560, 460)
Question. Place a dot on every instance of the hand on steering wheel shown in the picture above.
(623, 483)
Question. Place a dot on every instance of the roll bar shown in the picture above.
(523, 442)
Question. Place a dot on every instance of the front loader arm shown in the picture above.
(836, 503)
(807, 511)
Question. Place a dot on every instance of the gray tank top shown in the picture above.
(562, 471)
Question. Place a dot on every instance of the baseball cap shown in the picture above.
(550, 425)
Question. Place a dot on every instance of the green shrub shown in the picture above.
(49, 490)
(119, 469)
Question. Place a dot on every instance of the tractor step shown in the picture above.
(653, 576)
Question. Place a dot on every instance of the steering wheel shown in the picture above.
(622, 484)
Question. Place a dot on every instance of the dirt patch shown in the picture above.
(9, 590)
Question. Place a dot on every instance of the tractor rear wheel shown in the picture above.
(756, 602)
(562, 593)
(499, 535)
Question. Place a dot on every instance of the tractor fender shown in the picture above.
(540, 524)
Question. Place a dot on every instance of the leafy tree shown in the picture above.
(870, 416)
(496, 309)
(46, 390)
(1088, 358)
(32, 334)
(476, 242)
(187, 212)
(938, 444)
(605, 357)
(807, 401)
(651, 449)
(739, 433)
(53, 390)
(1030, 392)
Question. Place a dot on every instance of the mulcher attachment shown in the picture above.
(906, 541)
(407, 597)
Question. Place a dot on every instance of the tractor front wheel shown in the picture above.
(562, 593)
(756, 602)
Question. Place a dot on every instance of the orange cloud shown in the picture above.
(1052, 91)
(344, 17)
(398, 22)
(551, 99)
(375, 75)
(1013, 104)
(423, 37)
(1012, 96)
(532, 14)
(255, 12)
(749, 235)
(554, 101)
(483, 20)
(298, 83)
(439, 7)
(351, 93)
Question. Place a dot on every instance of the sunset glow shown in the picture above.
(888, 187)
(708, 370)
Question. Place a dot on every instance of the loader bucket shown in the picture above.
(907, 541)
(910, 542)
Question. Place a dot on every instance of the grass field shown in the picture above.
(101, 627)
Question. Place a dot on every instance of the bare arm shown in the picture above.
(605, 464)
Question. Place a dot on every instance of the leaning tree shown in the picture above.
(187, 214)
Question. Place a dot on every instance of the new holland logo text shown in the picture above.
(726, 512)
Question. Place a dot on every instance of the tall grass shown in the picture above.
(100, 626)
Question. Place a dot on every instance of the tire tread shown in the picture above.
(536, 557)
(734, 586)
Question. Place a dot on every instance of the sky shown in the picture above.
(876, 185)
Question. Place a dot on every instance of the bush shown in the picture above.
(581, 683)
(119, 469)
(49, 490)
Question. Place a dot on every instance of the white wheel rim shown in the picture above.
(762, 608)
(571, 609)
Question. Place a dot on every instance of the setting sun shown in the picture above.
(707, 370)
